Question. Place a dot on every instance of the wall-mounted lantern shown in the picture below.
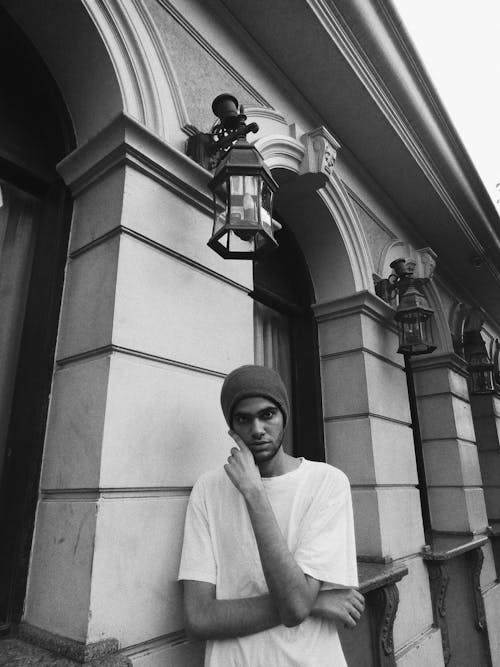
(413, 313)
(481, 367)
(242, 186)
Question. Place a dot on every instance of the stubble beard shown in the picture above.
(269, 456)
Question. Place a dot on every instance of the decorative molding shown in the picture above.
(125, 142)
(148, 86)
(320, 152)
(448, 360)
(451, 392)
(320, 156)
(110, 20)
(355, 350)
(351, 231)
(265, 112)
(476, 559)
(126, 231)
(366, 415)
(359, 303)
(281, 151)
(105, 493)
(377, 581)
(384, 602)
(362, 63)
(463, 441)
(426, 262)
(439, 579)
(166, 64)
(108, 350)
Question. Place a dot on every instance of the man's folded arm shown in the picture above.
(209, 618)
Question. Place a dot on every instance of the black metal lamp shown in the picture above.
(413, 313)
(481, 367)
(243, 198)
(242, 185)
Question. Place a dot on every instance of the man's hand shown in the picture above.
(341, 605)
(241, 468)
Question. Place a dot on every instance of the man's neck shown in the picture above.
(280, 464)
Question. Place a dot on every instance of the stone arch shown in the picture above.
(107, 59)
(315, 204)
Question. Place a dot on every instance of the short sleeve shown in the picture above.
(197, 558)
(326, 548)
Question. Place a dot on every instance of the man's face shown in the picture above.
(259, 422)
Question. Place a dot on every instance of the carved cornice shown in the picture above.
(448, 360)
(126, 142)
(418, 93)
(364, 303)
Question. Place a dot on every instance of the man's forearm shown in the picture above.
(226, 619)
(290, 589)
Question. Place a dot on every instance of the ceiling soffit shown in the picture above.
(354, 64)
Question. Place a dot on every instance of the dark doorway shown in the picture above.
(35, 213)
(286, 339)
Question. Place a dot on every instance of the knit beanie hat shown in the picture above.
(248, 381)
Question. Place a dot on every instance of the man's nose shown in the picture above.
(257, 429)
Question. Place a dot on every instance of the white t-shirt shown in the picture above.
(313, 508)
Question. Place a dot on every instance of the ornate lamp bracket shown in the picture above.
(208, 148)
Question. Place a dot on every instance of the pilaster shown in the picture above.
(144, 344)
(367, 422)
(452, 466)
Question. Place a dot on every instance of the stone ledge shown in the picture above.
(444, 547)
(377, 575)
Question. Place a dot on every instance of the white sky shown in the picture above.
(459, 44)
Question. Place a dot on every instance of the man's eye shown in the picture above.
(268, 414)
(240, 419)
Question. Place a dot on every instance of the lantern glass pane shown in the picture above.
(415, 335)
(266, 209)
(482, 381)
(244, 200)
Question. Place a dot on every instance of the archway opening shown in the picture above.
(286, 339)
(34, 228)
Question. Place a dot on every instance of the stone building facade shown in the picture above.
(121, 323)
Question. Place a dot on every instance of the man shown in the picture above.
(268, 560)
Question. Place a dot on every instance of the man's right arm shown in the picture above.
(209, 618)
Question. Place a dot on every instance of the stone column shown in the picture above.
(452, 466)
(486, 417)
(368, 435)
(456, 497)
(145, 341)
